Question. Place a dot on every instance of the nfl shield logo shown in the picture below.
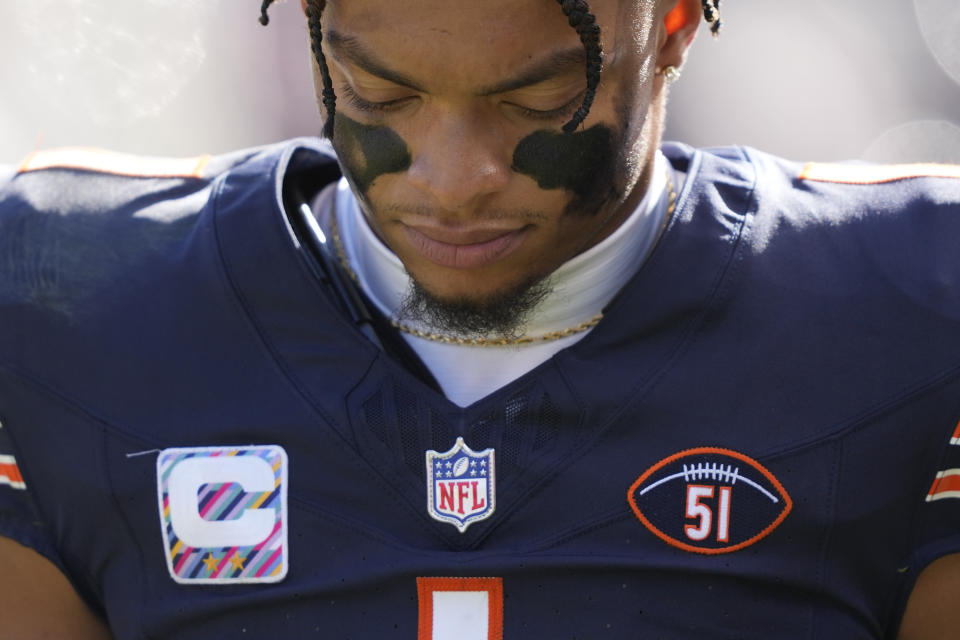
(460, 485)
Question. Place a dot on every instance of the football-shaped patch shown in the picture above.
(709, 500)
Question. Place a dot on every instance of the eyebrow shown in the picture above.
(558, 63)
(350, 48)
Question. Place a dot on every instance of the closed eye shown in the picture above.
(562, 111)
(367, 106)
(386, 106)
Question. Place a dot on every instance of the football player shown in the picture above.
(490, 360)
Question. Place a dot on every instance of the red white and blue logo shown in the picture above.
(709, 500)
(460, 485)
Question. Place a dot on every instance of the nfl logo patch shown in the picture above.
(460, 485)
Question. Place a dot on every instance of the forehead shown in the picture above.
(485, 39)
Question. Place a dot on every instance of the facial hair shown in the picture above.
(501, 316)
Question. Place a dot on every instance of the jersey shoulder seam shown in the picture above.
(114, 163)
(875, 174)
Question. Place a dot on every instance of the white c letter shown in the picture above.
(187, 476)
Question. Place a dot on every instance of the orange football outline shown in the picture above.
(788, 502)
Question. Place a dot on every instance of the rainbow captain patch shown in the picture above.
(223, 513)
(460, 485)
(709, 500)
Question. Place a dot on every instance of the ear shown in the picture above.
(681, 24)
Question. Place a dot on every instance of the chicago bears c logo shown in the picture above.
(709, 500)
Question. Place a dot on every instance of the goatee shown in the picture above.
(501, 316)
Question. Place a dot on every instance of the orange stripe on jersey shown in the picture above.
(10, 473)
(946, 485)
(122, 164)
(432, 612)
(956, 435)
(873, 174)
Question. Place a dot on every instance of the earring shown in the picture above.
(670, 73)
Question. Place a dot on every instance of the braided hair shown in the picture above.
(577, 13)
(711, 13)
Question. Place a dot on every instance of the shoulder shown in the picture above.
(855, 190)
(95, 183)
(901, 217)
(78, 182)
(849, 255)
(886, 187)
(76, 220)
(906, 214)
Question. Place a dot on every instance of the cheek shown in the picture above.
(581, 162)
(368, 151)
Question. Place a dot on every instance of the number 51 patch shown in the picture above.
(223, 513)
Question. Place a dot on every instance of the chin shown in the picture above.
(493, 311)
(479, 292)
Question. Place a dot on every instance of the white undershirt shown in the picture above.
(581, 288)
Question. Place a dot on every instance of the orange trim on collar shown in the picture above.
(124, 164)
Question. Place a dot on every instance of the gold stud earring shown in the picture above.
(670, 73)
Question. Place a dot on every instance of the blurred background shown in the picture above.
(812, 80)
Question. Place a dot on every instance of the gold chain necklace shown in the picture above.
(491, 342)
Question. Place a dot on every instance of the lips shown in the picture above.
(464, 248)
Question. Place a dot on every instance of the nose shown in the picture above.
(460, 161)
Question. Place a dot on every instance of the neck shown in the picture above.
(577, 291)
(581, 288)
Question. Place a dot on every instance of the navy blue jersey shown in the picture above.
(759, 439)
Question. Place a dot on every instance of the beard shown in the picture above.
(500, 316)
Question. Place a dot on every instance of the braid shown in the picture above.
(327, 94)
(577, 13)
(711, 13)
(579, 16)
(264, 18)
